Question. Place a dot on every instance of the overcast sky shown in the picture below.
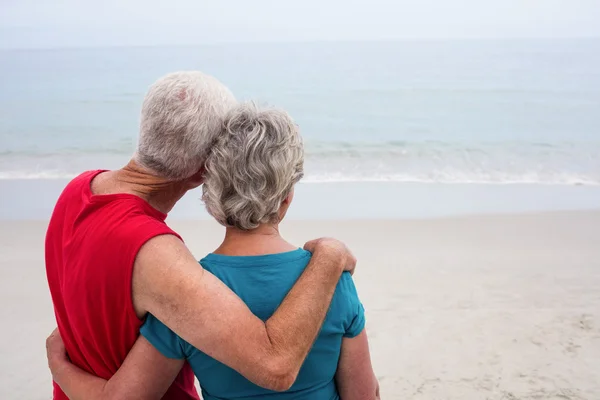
(82, 23)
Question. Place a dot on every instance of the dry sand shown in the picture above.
(499, 307)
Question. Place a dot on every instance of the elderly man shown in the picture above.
(111, 259)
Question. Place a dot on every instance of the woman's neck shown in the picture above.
(263, 240)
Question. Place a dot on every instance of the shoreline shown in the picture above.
(35, 199)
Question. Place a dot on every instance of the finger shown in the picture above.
(350, 268)
(54, 342)
(311, 245)
(350, 264)
(51, 337)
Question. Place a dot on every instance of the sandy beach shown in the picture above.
(486, 307)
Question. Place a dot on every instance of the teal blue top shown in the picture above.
(262, 282)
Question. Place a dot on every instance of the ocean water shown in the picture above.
(445, 112)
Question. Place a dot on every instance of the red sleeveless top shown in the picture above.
(91, 245)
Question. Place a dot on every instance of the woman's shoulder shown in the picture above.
(346, 285)
(297, 255)
(353, 308)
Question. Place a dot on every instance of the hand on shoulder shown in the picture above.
(334, 250)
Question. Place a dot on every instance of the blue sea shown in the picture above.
(396, 118)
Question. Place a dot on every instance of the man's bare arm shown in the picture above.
(169, 283)
(145, 374)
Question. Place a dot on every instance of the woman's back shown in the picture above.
(262, 282)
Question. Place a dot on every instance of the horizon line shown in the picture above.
(300, 41)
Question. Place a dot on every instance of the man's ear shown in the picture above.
(197, 179)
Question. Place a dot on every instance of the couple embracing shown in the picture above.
(257, 318)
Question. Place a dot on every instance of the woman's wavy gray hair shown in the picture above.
(255, 162)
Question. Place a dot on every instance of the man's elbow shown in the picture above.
(279, 376)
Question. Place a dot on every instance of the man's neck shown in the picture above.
(263, 240)
(160, 193)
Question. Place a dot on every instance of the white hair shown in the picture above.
(181, 116)
(253, 166)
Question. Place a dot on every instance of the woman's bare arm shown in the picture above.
(145, 374)
(355, 378)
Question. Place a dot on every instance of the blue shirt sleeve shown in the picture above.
(162, 338)
(355, 320)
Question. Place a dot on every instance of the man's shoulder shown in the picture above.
(166, 243)
(74, 189)
(132, 225)
(70, 200)
(81, 180)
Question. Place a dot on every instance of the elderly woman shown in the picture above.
(248, 188)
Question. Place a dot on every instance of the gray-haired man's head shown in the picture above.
(181, 116)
